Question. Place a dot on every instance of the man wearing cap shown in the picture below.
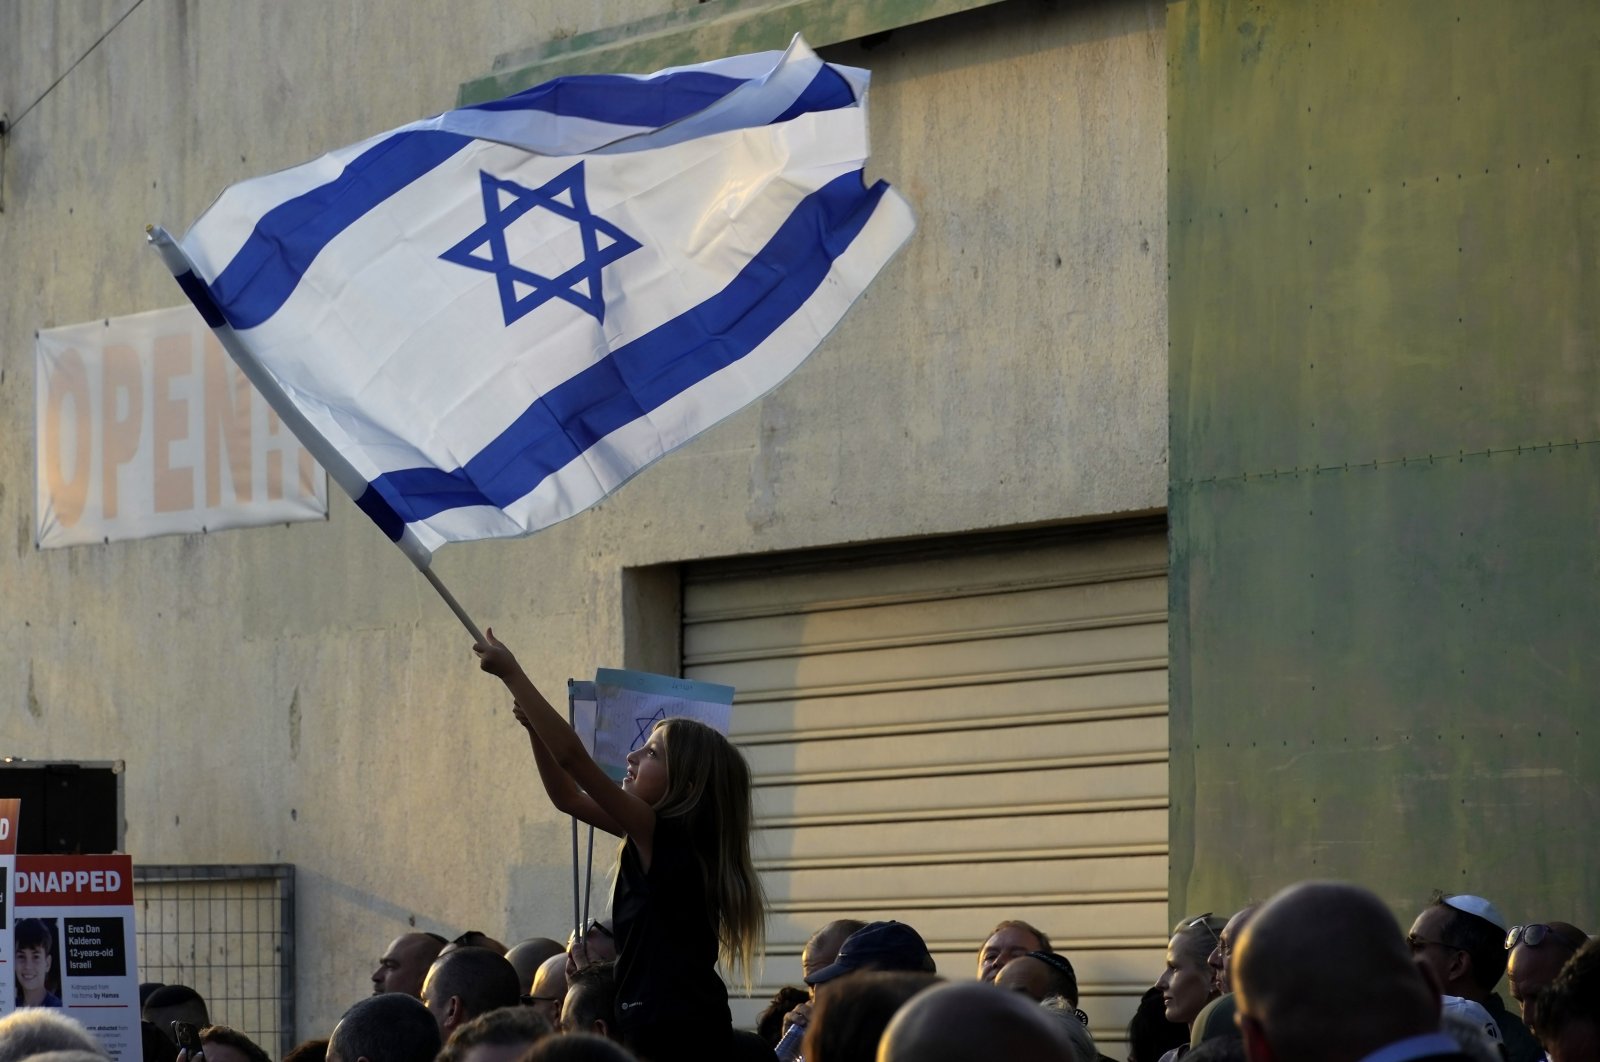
(1461, 939)
(877, 946)
(873, 946)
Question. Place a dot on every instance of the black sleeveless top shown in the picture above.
(670, 1001)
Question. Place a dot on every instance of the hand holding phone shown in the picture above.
(186, 1034)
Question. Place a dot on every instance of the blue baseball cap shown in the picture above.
(878, 946)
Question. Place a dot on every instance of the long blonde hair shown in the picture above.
(708, 790)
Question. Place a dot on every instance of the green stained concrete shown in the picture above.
(702, 32)
(1384, 224)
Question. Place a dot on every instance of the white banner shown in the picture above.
(143, 426)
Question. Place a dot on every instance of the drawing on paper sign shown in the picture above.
(629, 704)
(645, 725)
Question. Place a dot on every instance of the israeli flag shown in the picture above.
(484, 322)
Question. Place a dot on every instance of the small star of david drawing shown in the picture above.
(603, 243)
(646, 725)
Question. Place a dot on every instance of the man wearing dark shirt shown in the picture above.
(1462, 940)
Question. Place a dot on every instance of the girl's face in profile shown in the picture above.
(647, 769)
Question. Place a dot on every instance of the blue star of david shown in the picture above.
(645, 725)
(541, 289)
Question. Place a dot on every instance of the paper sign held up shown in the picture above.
(628, 705)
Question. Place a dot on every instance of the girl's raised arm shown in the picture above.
(567, 796)
(601, 803)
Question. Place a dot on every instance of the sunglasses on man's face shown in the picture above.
(1532, 935)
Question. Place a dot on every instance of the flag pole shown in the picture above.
(449, 599)
(577, 917)
(333, 462)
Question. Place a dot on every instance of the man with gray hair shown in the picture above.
(392, 1027)
(1323, 974)
(34, 1031)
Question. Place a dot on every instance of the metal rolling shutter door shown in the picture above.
(953, 736)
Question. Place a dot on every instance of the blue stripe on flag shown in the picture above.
(195, 288)
(642, 375)
(389, 522)
(289, 237)
(828, 91)
(621, 100)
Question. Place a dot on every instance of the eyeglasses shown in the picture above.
(1416, 944)
(528, 1001)
(1533, 935)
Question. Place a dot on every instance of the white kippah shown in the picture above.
(1477, 905)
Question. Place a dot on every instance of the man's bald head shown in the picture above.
(550, 987)
(972, 1021)
(1322, 941)
(405, 963)
(1221, 957)
(526, 956)
(1530, 967)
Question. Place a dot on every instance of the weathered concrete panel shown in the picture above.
(1384, 225)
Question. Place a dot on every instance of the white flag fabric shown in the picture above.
(488, 320)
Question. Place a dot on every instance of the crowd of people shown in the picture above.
(1322, 971)
(1319, 973)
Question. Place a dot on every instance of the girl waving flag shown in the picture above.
(686, 891)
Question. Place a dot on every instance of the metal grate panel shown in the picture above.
(228, 933)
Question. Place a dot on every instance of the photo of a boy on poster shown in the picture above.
(38, 963)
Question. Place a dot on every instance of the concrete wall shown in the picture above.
(1385, 482)
(298, 694)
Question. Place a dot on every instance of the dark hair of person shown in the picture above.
(1573, 996)
(1063, 978)
(309, 1051)
(227, 1037)
(853, 1011)
(169, 995)
(154, 1045)
(393, 1027)
(505, 1027)
(1481, 939)
(34, 933)
(576, 1047)
(1017, 923)
(770, 1025)
(482, 979)
(1150, 1034)
(592, 995)
(37, 933)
